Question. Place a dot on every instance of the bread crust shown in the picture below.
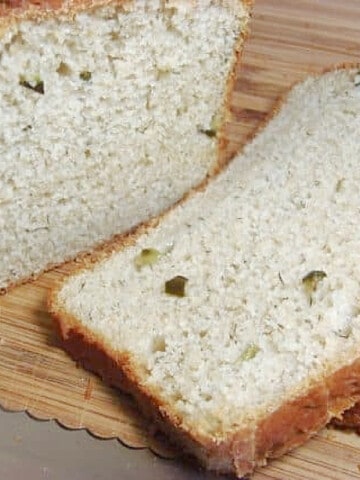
(242, 451)
(15, 11)
(350, 419)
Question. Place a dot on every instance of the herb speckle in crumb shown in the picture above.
(147, 256)
(311, 281)
(357, 79)
(209, 132)
(214, 127)
(63, 69)
(339, 185)
(176, 286)
(35, 84)
(250, 352)
(85, 75)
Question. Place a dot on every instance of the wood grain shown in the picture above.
(290, 39)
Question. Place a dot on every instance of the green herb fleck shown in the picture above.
(209, 132)
(147, 256)
(214, 126)
(162, 73)
(250, 352)
(311, 281)
(176, 286)
(339, 185)
(85, 75)
(37, 85)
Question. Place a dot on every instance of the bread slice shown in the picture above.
(256, 344)
(110, 112)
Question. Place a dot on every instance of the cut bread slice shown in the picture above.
(110, 112)
(235, 322)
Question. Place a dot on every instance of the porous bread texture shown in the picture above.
(123, 122)
(251, 361)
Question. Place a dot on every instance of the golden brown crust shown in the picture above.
(345, 386)
(15, 11)
(12, 11)
(292, 424)
(345, 392)
(350, 419)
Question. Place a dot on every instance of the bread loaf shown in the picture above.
(110, 112)
(235, 322)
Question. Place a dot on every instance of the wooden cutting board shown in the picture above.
(289, 39)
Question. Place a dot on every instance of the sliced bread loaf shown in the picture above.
(110, 112)
(235, 322)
